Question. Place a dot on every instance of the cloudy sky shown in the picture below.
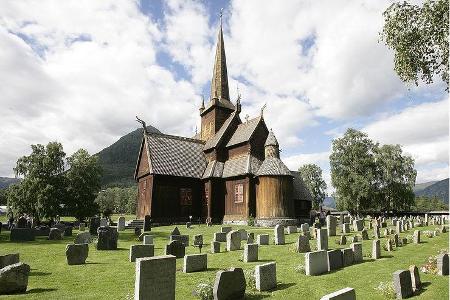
(79, 71)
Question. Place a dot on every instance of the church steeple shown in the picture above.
(219, 82)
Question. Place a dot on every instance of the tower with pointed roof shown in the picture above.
(219, 106)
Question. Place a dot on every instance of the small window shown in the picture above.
(185, 196)
(239, 193)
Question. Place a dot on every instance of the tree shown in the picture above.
(106, 202)
(83, 184)
(3, 196)
(396, 178)
(42, 188)
(312, 176)
(424, 204)
(353, 171)
(419, 38)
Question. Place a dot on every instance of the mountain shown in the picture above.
(6, 181)
(119, 160)
(438, 189)
(330, 202)
(421, 186)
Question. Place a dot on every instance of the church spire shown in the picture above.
(219, 82)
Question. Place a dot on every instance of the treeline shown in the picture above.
(117, 200)
(429, 204)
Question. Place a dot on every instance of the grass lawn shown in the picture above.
(109, 274)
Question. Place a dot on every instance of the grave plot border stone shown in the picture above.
(344, 294)
(334, 259)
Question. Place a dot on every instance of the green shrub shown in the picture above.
(204, 291)
(386, 289)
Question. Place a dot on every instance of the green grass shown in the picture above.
(109, 275)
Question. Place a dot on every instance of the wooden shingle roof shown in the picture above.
(301, 192)
(273, 166)
(244, 132)
(242, 165)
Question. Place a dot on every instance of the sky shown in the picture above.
(78, 72)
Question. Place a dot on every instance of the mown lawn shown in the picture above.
(109, 274)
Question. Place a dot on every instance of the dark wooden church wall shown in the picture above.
(145, 187)
(237, 210)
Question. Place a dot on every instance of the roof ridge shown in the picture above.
(176, 137)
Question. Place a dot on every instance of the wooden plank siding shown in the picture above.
(145, 188)
(238, 211)
(274, 194)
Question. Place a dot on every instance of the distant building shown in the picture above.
(230, 172)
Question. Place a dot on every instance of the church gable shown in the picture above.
(142, 165)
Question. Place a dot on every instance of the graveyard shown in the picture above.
(110, 272)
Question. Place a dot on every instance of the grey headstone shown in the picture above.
(250, 238)
(342, 240)
(344, 294)
(175, 248)
(42, 230)
(303, 244)
(225, 229)
(334, 258)
(415, 278)
(148, 239)
(83, 238)
(121, 223)
(262, 239)
(139, 251)
(195, 263)
(347, 257)
(331, 225)
(346, 228)
(266, 276)
(21, 235)
(9, 259)
(279, 234)
(155, 278)
(416, 237)
(220, 237)
(357, 252)
(364, 234)
(316, 262)
(14, 278)
(250, 252)
(376, 249)
(215, 247)
(291, 229)
(76, 254)
(322, 239)
(402, 284)
(358, 225)
(181, 238)
(55, 234)
(107, 238)
(229, 285)
(233, 240)
(442, 264)
(243, 233)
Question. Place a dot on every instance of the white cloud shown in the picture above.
(432, 174)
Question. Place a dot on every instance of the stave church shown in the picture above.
(229, 173)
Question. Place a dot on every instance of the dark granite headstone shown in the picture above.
(147, 223)
(402, 284)
(107, 238)
(42, 230)
(55, 234)
(21, 235)
(175, 231)
(176, 248)
(94, 224)
(230, 284)
(76, 254)
(14, 278)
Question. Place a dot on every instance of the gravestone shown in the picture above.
(398, 227)
(42, 230)
(220, 237)
(262, 239)
(404, 241)
(396, 240)
(344, 294)
(155, 278)
(358, 225)
(316, 262)
(9, 259)
(346, 228)
(250, 252)
(147, 240)
(266, 276)
(376, 249)
(415, 278)
(139, 251)
(121, 223)
(402, 284)
(303, 244)
(233, 240)
(215, 247)
(175, 231)
(103, 222)
(243, 234)
(416, 237)
(83, 238)
(279, 234)
(184, 239)
(76, 254)
(442, 264)
(357, 252)
(107, 238)
(198, 239)
(21, 235)
(354, 239)
(147, 223)
(364, 234)
(14, 278)
(342, 240)
(304, 228)
(347, 257)
(229, 284)
(55, 234)
(322, 239)
(137, 231)
(334, 259)
(291, 229)
(376, 232)
(331, 225)
(195, 263)
(175, 248)
(94, 224)
(225, 229)
(250, 238)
